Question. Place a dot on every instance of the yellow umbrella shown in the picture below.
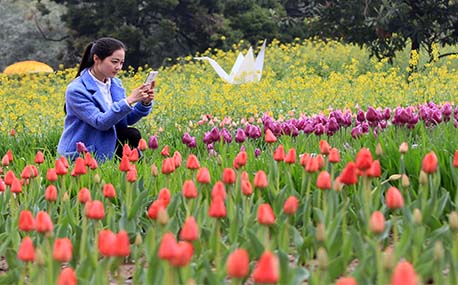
(28, 66)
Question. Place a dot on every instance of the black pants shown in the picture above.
(128, 135)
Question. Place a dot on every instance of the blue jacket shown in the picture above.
(90, 121)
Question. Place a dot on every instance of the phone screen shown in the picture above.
(151, 77)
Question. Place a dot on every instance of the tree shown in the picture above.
(387, 26)
(155, 31)
(31, 33)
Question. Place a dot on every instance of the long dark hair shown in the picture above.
(103, 48)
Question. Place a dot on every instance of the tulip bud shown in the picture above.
(138, 239)
(97, 178)
(388, 259)
(379, 150)
(423, 179)
(417, 216)
(39, 257)
(453, 221)
(405, 181)
(162, 216)
(154, 170)
(320, 233)
(337, 186)
(403, 148)
(395, 177)
(65, 197)
(322, 257)
(438, 251)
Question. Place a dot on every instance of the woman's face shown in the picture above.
(111, 65)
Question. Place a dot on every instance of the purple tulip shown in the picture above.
(214, 134)
(226, 135)
(186, 139)
(257, 152)
(240, 136)
(153, 142)
(360, 117)
(372, 115)
(81, 147)
(192, 143)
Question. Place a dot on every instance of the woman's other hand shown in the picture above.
(142, 93)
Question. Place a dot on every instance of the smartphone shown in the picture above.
(151, 77)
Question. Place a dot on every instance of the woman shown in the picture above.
(98, 112)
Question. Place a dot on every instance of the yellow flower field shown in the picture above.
(307, 76)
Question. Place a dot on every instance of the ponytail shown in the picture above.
(87, 60)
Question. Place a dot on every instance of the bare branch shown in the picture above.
(37, 24)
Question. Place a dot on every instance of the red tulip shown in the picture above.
(348, 175)
(375, 170)
(217, 208)
(94, 210)
(270, 137)
(238, 264)
(240, 160)
(63, 249)
(377, 222)
(324, 147)
(122, 244)
(189, 189)
(203, 176)
(106, 243)
(132, 174)
(51, 175)
(190, 230)
(51, 193)
(323, 180)
(124, 165)
(429, 163)
(133, 156)
(43, 222)
(291, 205)
(39, 158)
(312, 164)
(10, 177)
(164, 196)
(5, 160)
(279, 153)
(142, 144)
(84, 195)
(168, 246)
(192, 162)
(80, 167)
(455, 159)
(183, 255)
(229, 176)
(267, 269)
(168, 165)
(9, 153)
(219, 190)
(67, 277)
(26, 221)
(363, 159)
(126, 150)
(346, 281)
(290, 157)
(177, 159)
(16, 186)
(266, 215)
(247, 189)
(394, 198)
(154, 208)
(61, 168)
(260, 180)
(26, 251)
(334, 155)
(404, 274)
(165, 151)
(109, 191)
